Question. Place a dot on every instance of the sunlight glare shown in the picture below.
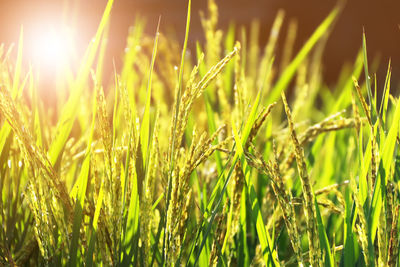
(52, 48)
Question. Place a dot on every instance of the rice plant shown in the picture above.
(218, 156)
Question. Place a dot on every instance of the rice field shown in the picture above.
(214, 156)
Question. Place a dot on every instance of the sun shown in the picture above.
(52, 47)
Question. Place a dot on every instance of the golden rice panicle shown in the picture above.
(326, 125)
(362, 100)
(192, 92)
(329, 189)
(212, 35)
(220, 232)
(356, 113)
(34, 206)
(172, 214)
(188, 96)
(390, 204)
(188, 159)
(111, 158)
(33, 153)
(238, 184)
(258, 123)
(382, 239)
(205, 149)
(331, 123)
(179, 122)
(185, 214)
(178, 211)
(214, 71)
(145, 228)
(394, 239)
(126, 105)
(330, 206)
(42, 202)
(105, 128)
(284, 197)
(308, 196)
(285, 201)
(374, 159)
(199, 151)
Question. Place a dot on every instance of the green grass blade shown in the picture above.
(82, 183)
(78, 213)
(132, 217)
(243, 247)
(212, 213)
(263, 235)
(344, 100)
(70, 109)
(229, 69)
(383, 173)
(323, 238)
(132, 222)
(180, 79)
(145, 126)
(290, 70)
(373, 113)
(386, 91)
(245, 134)
(212, 128)
(349, 256)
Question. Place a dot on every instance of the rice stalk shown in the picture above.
(362, 226)
(308, 196)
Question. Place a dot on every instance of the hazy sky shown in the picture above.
(380, 19)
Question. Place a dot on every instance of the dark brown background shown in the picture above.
(379, 18)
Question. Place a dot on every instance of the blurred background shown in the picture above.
(380, 19)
